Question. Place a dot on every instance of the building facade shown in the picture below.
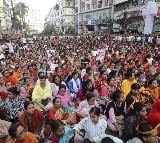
(5, 15)
(128, 15)
(35, 19)
(91, 15)
(62, 15)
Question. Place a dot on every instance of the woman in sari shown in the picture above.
(153, 89)
(60, 112)
(60, 132)
(18, 135)
(27, 89)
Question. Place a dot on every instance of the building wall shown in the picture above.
(91, 14)
(5, 15)
(35, 19)
(62, 15)
(132, 10)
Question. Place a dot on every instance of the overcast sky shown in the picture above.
(43, 5)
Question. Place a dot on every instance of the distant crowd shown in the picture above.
(97, 88)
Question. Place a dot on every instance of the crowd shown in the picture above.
(97, 88)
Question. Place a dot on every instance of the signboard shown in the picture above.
(119, 1)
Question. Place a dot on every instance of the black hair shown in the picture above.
(113, 73)
(43, 140)
(107, 140)
(109, 78)
(88, 69)
(116, 95)
(145, 127)
(13, 90)
(138, 106)
(27, 103)
(13, 129)
(54, 99)
(95, 110)
(129, 73)
(74, 73)
(54, 77)
(84, 85)
(8, 82)
(151, 81)
(39, 74)
(90, 95)
(87, 141)
(55, 124)
(102, 71)
(26, 78)
(42, 77)
(135, 86)
(62, 86)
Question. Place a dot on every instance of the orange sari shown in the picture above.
(29, 138)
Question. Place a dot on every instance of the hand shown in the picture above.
(41, 134)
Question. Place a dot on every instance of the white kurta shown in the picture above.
(149, 12)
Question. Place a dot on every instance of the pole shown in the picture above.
(78, 15)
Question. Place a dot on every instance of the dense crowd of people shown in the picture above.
(98, 88)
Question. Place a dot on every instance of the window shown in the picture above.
(69, 3)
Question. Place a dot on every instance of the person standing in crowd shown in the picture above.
(127, 83)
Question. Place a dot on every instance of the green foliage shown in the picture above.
(21, 9)
(49, 28)
(109, 23)
(70, 30)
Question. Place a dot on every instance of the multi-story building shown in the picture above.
(35, 19)
(62, 15)
(5, 15)
(128, 15)
(91, 15)
(15, 2)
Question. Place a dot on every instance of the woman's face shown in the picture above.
(121, 98)
(60, 131)
(20, 134)
(94, 118)
(104, 76)
(57, 80)
(76, 76)
(154, 84)
(11, 95)
(143, 112)
(62, 91)
(8, 85)
(30, 109)
(58, 103)
(89, 86)
(91, 101)
(112, 82)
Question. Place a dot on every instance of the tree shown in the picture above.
(109, 22)
(21, 9)
(49, 28)
(70, 30)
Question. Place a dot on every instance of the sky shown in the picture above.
(43, 5)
